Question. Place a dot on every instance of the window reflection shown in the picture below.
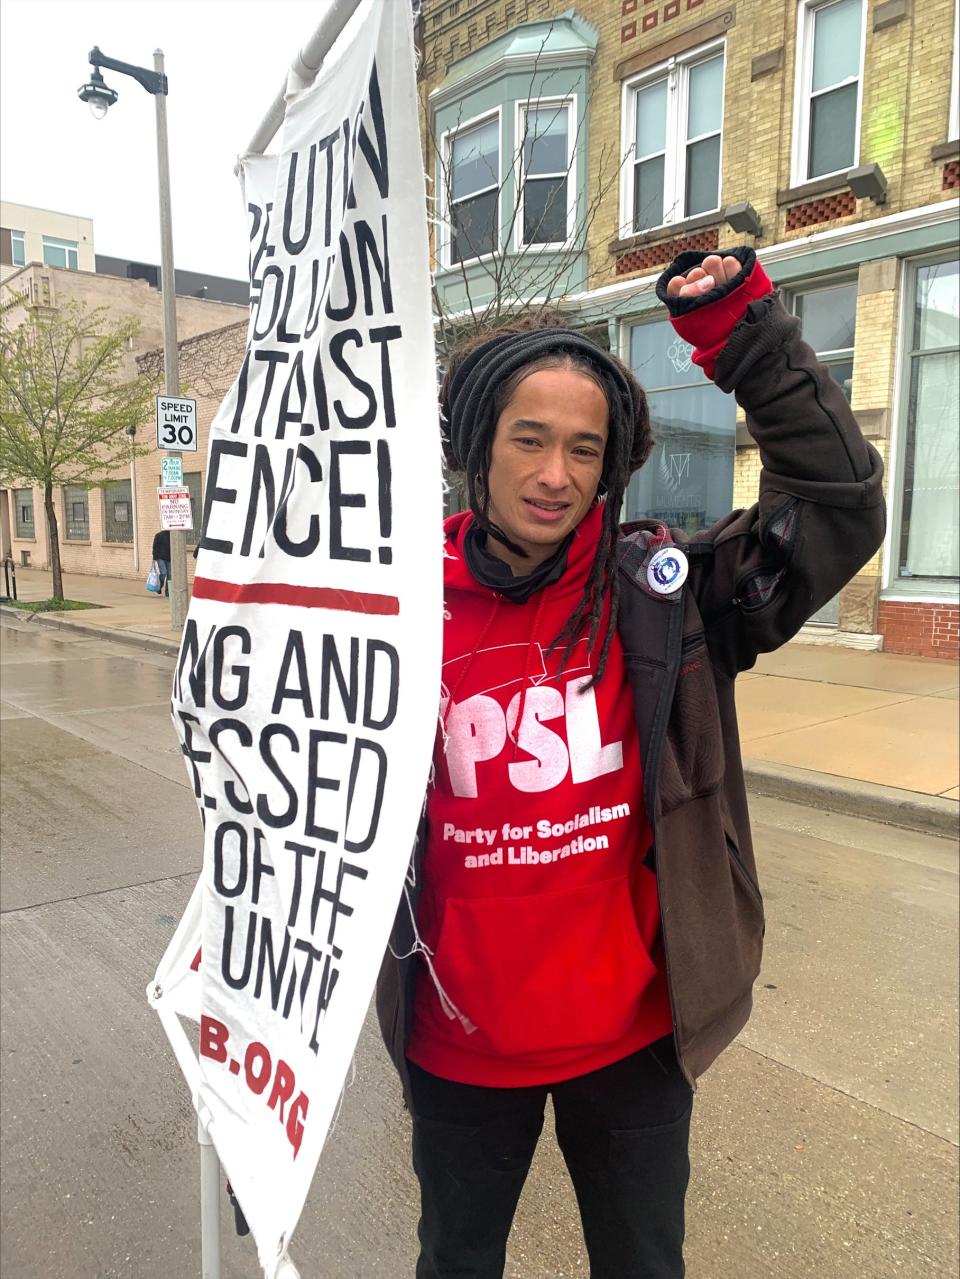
(688, 480)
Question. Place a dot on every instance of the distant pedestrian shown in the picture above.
(161, 555)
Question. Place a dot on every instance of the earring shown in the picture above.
(601, 495)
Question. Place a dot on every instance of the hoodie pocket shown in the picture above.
(544, 973)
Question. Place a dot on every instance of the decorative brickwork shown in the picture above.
(651, 255)
(925, 630)
(824, 210)
(951, 175)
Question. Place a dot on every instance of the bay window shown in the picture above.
(547, 180)
(472, 168)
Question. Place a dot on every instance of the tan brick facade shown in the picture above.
(203, 378)
(903, 126)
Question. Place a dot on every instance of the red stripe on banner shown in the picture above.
(207, 588)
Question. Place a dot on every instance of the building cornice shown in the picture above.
(510, 64)
(928, 215)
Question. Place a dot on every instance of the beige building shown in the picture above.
(576, 149)
(43, 235)
(109, 530)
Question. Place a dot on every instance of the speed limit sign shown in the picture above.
(176, 424)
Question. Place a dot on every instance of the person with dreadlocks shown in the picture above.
(582, 917)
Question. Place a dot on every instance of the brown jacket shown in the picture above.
(754, 579)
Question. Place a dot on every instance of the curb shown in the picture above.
(910, 810)
(133, 639)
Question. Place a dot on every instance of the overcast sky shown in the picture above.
(225, 61)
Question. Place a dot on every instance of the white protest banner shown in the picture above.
(307, 684)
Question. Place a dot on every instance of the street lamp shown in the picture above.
(100, 98)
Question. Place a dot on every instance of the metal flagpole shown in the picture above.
(209, 1205)
(305, 67)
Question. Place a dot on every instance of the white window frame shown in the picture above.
(447, 139)
(676, 71)
(70, 247)
(803, 80)
(916, 590)
(570, 173)
(953, 116)
(18, 237)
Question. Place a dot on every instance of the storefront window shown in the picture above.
(687, 481)
(828, 320)
(929, 534)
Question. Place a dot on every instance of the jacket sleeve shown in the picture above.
(759, 574)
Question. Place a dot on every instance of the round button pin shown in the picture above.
(667, 570)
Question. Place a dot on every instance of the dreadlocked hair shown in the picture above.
(468, 450)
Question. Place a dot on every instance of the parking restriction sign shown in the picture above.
(176, 424)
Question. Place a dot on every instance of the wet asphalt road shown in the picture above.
(825, 1139)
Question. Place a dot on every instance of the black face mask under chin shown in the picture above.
(492, 572)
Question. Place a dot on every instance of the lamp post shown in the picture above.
(99, 97)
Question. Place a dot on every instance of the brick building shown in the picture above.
(576, 149)
(106, 530)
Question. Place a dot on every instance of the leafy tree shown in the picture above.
(67, 412)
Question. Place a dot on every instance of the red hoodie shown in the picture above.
(542, 921)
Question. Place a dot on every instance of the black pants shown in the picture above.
(624, 1133)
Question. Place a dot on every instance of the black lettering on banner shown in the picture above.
(330, 665)
(375, 156)
(288, 815)
(307, 545)
(262, 481)
(317, 782)
(242, 381)
(267, 959)
(375, 646)
(300, 691)
(333, 897)
(190, 751)
(218, 450)
(295, 246)
(245, 737)
(194, 659)
(317, 298)
(237, 982)
(389, 333)
(345, 311)
(264, 249)
(325, 145)
(339, 500)
(328, 981)
(271, 359)
(274, 273)
(337, 344)
(294, 415)
(367, 251)
(320, 392)
(223, 831)
(283, 333)
(374, 748)
(385, 499)
(240, 673)
(300, 851)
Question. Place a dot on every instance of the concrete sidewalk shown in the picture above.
(872, 734)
